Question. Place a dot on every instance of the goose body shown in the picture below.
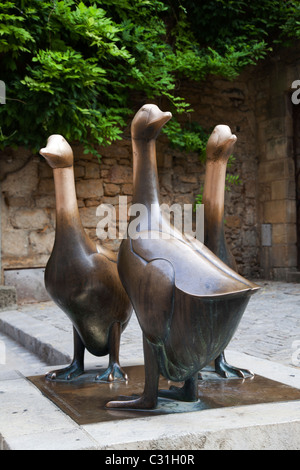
(188, 302)
(218, 150)
(82, 278)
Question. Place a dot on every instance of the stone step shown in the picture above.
(39, 337)
(8, 297)
(293, 276)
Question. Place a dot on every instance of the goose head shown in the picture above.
(220, 143)
(148, 122)
(58, 152)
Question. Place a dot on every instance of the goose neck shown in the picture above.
(67, 213)
(214, 188)
(145, 175)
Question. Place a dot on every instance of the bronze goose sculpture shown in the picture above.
(218, 150)
(81, 277)
(188, 302)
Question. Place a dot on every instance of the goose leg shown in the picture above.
(114, 370)
(188, 392)
(227, 371)
(76, 368)
(148, 400)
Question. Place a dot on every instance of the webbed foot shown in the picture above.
(113, 373)
(227, 371)
(68, 373)
(188, 392)
(141, 403)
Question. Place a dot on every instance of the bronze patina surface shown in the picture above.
(187, 300)
(81, 277)
(75, 397)
(219, 147)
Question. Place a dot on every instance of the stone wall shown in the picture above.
(276, 173)
(257, 108)
(231, 103)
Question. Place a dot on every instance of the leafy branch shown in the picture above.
(72, 66)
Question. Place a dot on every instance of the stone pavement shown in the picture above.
(35, 337)
(269, 329)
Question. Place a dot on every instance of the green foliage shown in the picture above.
(190, 138)
(198, 199)
(71, 66)
(231, 180)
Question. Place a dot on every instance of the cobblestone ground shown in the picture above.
(269, 329)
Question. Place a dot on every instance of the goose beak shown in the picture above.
(45, 153)
(232, 139)
(58, 152)
(161, 120)
(53, 147)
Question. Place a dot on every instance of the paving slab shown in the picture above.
(37, 337)
(30, 421)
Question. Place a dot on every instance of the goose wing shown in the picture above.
(198, 272)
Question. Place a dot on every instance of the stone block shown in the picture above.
(115, 151)
(265, 192)
(284, 234)
(270, 171)
(19, 201)
(233, 221)
(293, 276)
(119, 175)
(166, 182)
(111, 200)
(79, 171)
(88, 216)
(279, 256)
(266, 234)
(277, 105)
(127, 189)
(29, 176)
(45, 171)
(280, 274)
(8, 297)
(46, 186)
(30, 219)
(290, 168)
(46, 201)
(108, 161)
(191, 179)
(29, 284)
(275, 126)
(281, 211)
(251, 190)
(284, 256)
(15, 243)
(42, 242)
(86, 189)
(249, 238)
(90, 202)
(111, 189)
(284, 189)
(92, 170)
(277, 149)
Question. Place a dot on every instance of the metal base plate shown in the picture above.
(84, 400)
